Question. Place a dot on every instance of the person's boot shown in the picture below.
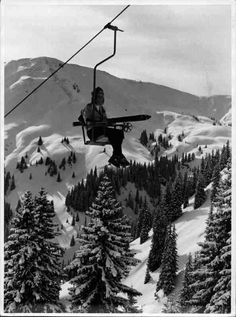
(114, 160)
(123, 161)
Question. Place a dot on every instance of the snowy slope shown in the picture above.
(196, 133)
(227, 118)
(190, 229)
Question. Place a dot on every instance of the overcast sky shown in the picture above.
(187, 47)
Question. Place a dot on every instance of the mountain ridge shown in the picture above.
(118, 92)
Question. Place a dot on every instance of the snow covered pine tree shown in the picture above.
(212, 287)
(200, 195)
(169, 263)
(103, 258)
(32, 267)
(160, 223)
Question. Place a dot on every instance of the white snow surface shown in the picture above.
(196, 134)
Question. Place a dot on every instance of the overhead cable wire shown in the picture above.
(61, 66)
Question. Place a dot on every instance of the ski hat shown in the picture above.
(97, 90)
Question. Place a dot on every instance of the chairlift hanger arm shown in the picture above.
(115, 29)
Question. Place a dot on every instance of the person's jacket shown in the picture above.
(90, 117)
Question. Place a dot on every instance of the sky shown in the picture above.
(187, 47)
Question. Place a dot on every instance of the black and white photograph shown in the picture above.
(117, 155)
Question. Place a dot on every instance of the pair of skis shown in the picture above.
(112, 121)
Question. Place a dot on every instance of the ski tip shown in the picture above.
(147, 116)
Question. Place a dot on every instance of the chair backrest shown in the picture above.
(82, 118)
(101, 140)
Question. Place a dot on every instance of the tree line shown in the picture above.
(207, 279)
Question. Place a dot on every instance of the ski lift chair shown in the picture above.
(101, 140)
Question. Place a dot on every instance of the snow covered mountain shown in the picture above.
(66, 93)
(69, 89)
(49, 113)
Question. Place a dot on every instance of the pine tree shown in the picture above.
(13, 185)
(7, 217)
(77, 217)
(212, 286)
(145, 225)
(186, 191)
(47, 161)
(200, 196)
(215, 179)
(160, 139)
(177, 199)
(63, 163)
(144, 138)
(69, 160)
(72, 241)
(193, 181)
(40, 161)
(18, 204)
(73, 221)
(7, 177)
(225, 155)
(169, 263)
(221, 300)
(139, 223)
(137, 196)
(103, 258)
(130, 201)
(186, 292)
(30, 285)
(171, 306)
(147, 276)
(208, 169)
(159, 233)
(40, 141)
(22, 164)
(52, 169)
(58, 177)
(132, 307)
(74, 158)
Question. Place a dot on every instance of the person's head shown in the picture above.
(98, 96)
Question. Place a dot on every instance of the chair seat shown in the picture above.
(101, 140)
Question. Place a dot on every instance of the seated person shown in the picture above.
(115, 136)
